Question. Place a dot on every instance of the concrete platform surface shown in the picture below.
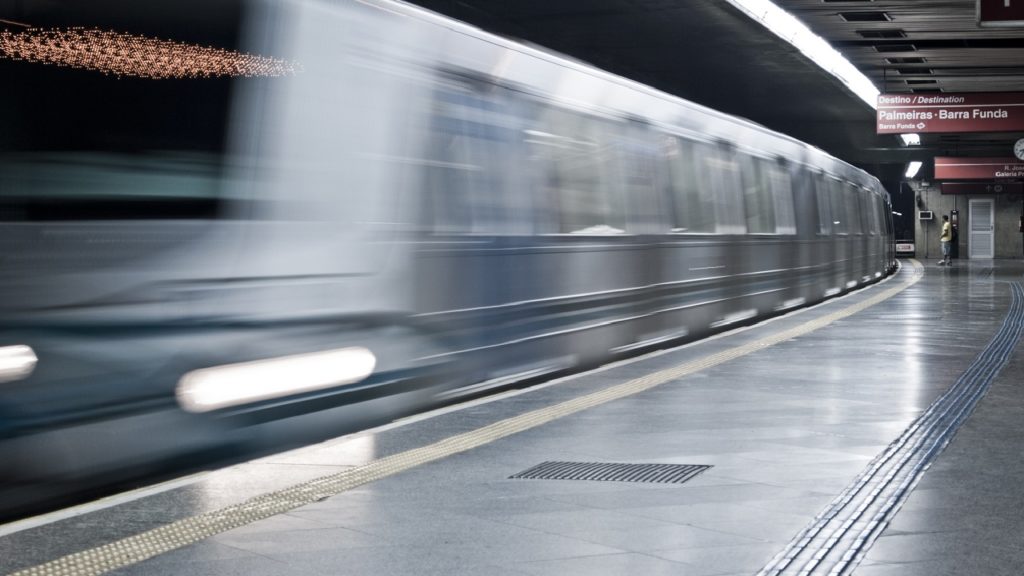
(789, 415)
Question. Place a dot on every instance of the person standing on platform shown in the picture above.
(945, 240)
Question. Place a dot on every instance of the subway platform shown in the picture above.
(875, 434)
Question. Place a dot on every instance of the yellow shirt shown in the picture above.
(947, 232)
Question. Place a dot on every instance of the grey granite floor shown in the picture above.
(785, 429)
(965, 517)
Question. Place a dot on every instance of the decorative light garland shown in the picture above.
(122, 54)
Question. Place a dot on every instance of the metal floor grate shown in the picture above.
(612, 472)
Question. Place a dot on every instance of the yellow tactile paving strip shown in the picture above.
(134, 549)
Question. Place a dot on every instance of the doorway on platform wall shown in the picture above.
(981, 243)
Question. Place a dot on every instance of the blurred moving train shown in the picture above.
(368, 202)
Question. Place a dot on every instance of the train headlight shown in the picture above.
(16, 362)
(236, 384)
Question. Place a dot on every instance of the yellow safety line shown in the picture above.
(134, 549)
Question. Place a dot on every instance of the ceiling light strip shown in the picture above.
(787, 27)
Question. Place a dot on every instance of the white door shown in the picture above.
(981, 242)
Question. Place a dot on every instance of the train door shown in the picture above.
(637, 154)
(805, 211)
(855, 229)
(841, 264)
(981, 243)
(584, 245)
(825, 255)
(890, 234)
(469, 215)
(869, 227)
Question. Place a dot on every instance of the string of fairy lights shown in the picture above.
(121, 54)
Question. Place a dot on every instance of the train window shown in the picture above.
(876, 210)
(637, 166)
(866, 211)
(871, 207)
(851, 198)
(693, 204)
(821, 196)
(466, 159)
(719, 176)
(573, 154)
(840, 225)
(757, 195)
(782, 193)
(882, 212)
(885, 214)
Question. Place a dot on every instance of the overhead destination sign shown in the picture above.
(1001, 13)
(950, 168)
(964, 112)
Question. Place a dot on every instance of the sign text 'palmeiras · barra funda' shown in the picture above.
(965, 112)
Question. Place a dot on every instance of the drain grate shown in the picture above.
(612, 472)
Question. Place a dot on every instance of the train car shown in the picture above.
(219, 216)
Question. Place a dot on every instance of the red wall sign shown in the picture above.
(982, 187)
(1001, 12)
(949, 112)
(949, 168)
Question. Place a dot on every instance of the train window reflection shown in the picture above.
(821, 196)
(782, 193)
(881, 217)
(869, 212)
(468, 152)
(721, 179)
(853, 213)
(757, 196)
(840, 224)
(573, 154)
(693, 205)
(637, 166)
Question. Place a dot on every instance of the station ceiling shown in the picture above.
(710, 52)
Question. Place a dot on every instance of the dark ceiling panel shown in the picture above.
(709, 52)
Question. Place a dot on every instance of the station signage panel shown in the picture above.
(982, 187)
(950, 112)
(998, 13)
(952, 168)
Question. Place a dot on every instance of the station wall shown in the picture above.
(1008, 208)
